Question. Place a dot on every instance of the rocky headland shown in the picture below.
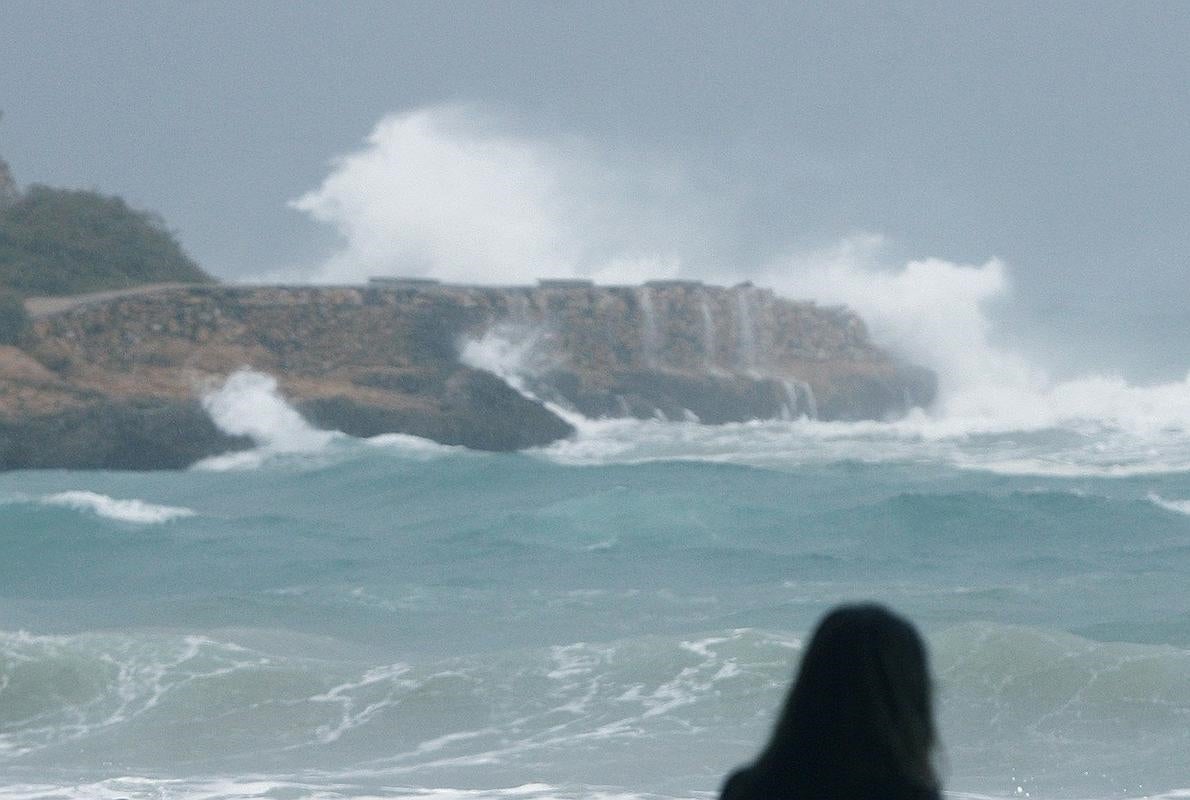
(115, 381)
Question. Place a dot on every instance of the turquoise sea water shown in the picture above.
(617, 616)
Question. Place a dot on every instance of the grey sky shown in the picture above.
(1055, 137)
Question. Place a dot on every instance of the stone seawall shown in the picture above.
(95, 377)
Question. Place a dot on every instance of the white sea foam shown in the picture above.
(135, 511)
(72, 687)
(353, 713)
(412, 445)
(269, 788)
(249, 403)
(1126, 431)
(937, 313)
(917, 439)
(487, 719)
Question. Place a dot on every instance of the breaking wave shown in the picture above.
(1030, 697)
(250, 403)
(134, 511)
(1151, 439)
(996, 411)
(131, 511)
(931, 311)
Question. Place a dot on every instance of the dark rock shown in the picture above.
(478, 411)
(879, 396)
(135, 435)
(646, 394)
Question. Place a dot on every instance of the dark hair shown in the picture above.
(858, 722)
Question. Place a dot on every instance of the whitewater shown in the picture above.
(616, 615)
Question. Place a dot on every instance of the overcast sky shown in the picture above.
(678, 138)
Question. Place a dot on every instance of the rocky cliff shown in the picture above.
(115, 382)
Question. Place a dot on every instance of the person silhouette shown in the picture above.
(858, 723)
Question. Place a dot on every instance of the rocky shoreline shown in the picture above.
(114, 381)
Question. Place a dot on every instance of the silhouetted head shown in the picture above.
(859, 721)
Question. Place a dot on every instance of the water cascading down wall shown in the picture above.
(116, 382)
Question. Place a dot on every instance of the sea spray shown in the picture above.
(812, 402)
(650, 330)
(710, 354)
(249, 403)
(748, 358)
(937, 313)
(518, 354)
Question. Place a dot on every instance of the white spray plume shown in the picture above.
(937, 313)
(441, 192)
(511, 352)
(250, 404)
(930, 311)
(446, 192)
(517, 354)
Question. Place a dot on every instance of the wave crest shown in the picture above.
(134, 511)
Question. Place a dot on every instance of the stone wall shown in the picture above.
(372, 359)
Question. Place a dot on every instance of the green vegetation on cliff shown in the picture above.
(60, 241)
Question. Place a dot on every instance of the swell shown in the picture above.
(1072, 716)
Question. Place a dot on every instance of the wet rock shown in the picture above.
(135, 435)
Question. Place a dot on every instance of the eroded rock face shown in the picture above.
(114, 382)
(679, 350)
(135, 434)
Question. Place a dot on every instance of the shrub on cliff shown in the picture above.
(14, 320)
(8, 187)
(58, 241)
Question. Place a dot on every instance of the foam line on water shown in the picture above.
(263, 786)
(1045, 695)
(72, 687)
(916, 439)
